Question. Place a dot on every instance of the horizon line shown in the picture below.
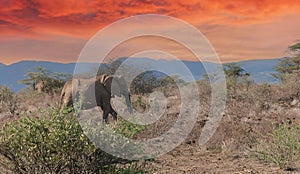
(62, 62)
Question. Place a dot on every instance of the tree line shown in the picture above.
(146, 82)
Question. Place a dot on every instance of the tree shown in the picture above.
(112, 67)
(295, 49)
(172, 81)
(235, 74)
(289, 66)
(233, 70)
(51, 80)
(144, 83)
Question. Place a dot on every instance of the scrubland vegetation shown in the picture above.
(259, 131)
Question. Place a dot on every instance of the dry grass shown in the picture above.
(252, 112)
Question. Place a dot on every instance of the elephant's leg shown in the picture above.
(66, 104)
(105, 111)
(109, 110)
(105, 115)
(113, 113)
(69, 102)
(105, 106)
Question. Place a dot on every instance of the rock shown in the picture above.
(174, 97)
(4, 116)
(294, 102)
(32, 109)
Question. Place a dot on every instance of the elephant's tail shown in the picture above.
(62, 95)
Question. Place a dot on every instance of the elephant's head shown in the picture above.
(116, 85)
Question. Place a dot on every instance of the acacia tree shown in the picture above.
(234, 73)
(52, 81)
(289, 66)
(233, 70)
(144, 83)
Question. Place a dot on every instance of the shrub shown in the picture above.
(138, 103)
(291, 86)
(8, 101)
(283, 148)
(55, 143)
(128, 129)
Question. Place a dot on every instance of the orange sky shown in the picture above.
(57, 30)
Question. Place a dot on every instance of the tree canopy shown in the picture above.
(52, 80)
(234, 70)
(289, 66)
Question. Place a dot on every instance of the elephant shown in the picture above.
(39, 86)
(95, 92)
(49, 86)
(118, 88)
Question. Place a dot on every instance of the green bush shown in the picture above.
(283, 148)
(118, 140)
(127, 128)
(55, 143)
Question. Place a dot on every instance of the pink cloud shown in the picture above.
(230, 26)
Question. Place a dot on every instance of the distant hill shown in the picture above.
(11, 74)
(260, 70)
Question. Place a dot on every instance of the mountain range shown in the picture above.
(260, 70)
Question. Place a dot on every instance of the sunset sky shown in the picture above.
(57, 30)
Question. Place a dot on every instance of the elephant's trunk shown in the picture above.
(128, 103)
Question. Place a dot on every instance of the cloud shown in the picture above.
(226, 23)
(95, 14)
(256, 41)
